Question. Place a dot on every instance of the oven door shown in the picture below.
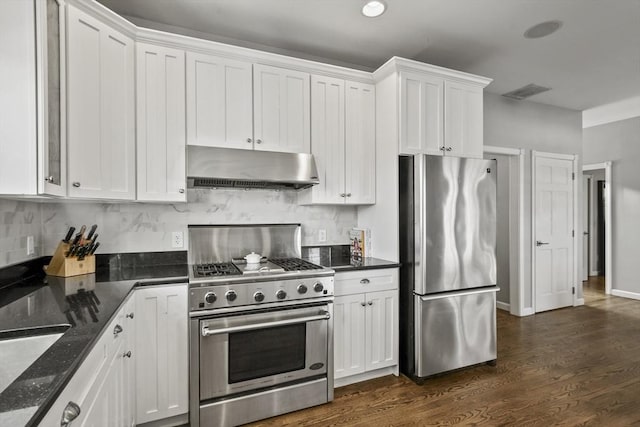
(252, 351)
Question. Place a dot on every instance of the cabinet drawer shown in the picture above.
(362, 281)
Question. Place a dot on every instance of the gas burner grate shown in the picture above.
(215, 270)
(294, 264)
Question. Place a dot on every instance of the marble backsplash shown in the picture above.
(18, 220)
(143, 227)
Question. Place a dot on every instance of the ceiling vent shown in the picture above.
(526, 92)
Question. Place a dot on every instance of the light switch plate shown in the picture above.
(322, 235)
(30, 245)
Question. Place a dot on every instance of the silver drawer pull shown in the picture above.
(539, 243)
(76, 184)
(127, 354)
(365, 281)
(324, 315)
(370, 303)
(70, 413)
(117, 330)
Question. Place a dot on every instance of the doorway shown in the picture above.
(597, 228)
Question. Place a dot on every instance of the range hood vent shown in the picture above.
(526, 92)
(211, 167)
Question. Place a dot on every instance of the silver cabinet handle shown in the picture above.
(258, 141)
(363, 304)
(539, 243)
(130, 315)
(249, 140)
(448, 148)
(343, 195)
(365, 281)
(370, 302)
(76, 184)
(348, 194)
(324, 315)
(181, 190)
(127, 354)
(117, 330)
(70, 413)
(49, 179)
(442, 148)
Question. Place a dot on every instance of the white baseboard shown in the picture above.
(579, 301)
(625, 294)
(528, 311)
(594, 273)
(503, 306)
(341, 382)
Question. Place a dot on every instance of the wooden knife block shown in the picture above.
(62, 266)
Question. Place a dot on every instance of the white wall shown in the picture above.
(532, 126)
(619, 142)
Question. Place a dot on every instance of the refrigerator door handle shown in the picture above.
(459, 293)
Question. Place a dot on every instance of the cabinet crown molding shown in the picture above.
(397, 64)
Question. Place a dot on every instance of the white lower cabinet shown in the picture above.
(365, 326)
(102, 387)
(162, 366)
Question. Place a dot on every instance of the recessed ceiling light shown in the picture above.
(543, 29)
(374, 8)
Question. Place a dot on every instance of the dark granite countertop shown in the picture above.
(30, 300)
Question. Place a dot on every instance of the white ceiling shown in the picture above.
(594, 59)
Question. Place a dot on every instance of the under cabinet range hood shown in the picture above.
(210, 167)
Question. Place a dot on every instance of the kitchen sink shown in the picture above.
(21, 347)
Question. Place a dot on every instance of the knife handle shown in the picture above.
(91, 231)
(93, 249)
(69, 234)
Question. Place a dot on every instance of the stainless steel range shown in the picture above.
(261, 324)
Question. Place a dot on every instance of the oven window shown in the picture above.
(265, 352)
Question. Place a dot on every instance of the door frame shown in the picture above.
(577, 253)
(516, 228)
(608, 247)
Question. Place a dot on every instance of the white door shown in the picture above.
(382, 328)
(281, 114)
(160, 124)
(327, 138)
(586, 180)
(421, 114)
(463, 120)
(219, 102)
(553, 242)
(349, 335)
(360, 144)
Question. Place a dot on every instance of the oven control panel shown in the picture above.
(221, 295)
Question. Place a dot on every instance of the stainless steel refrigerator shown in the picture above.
(448, 255)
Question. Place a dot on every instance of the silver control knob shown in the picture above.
(281, 294)
(210, 297)
(258, 296)
(231, 295)
(318, 287)
(302, 288)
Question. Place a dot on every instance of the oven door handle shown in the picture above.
(324, 315)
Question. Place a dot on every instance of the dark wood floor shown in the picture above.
(574, 366)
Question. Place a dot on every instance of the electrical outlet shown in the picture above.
(322, 235)
(30, 245)
(177, 239)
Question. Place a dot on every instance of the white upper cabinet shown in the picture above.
(440, 111)
(342, 142)
(360, 146)
(161, 134)
(421, 114)
(281, 109)
(463, 125)
(32, 132)
(219, 102)
(235, 104)
(101, 116)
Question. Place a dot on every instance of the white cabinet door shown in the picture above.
(281, 109)
(101, 131)
(349, 335)
(463, 120)
(327, 139)
(219, 102)
(161, 353)
(421, 113)
(382, 329)
(360, 145)
(160, 123)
